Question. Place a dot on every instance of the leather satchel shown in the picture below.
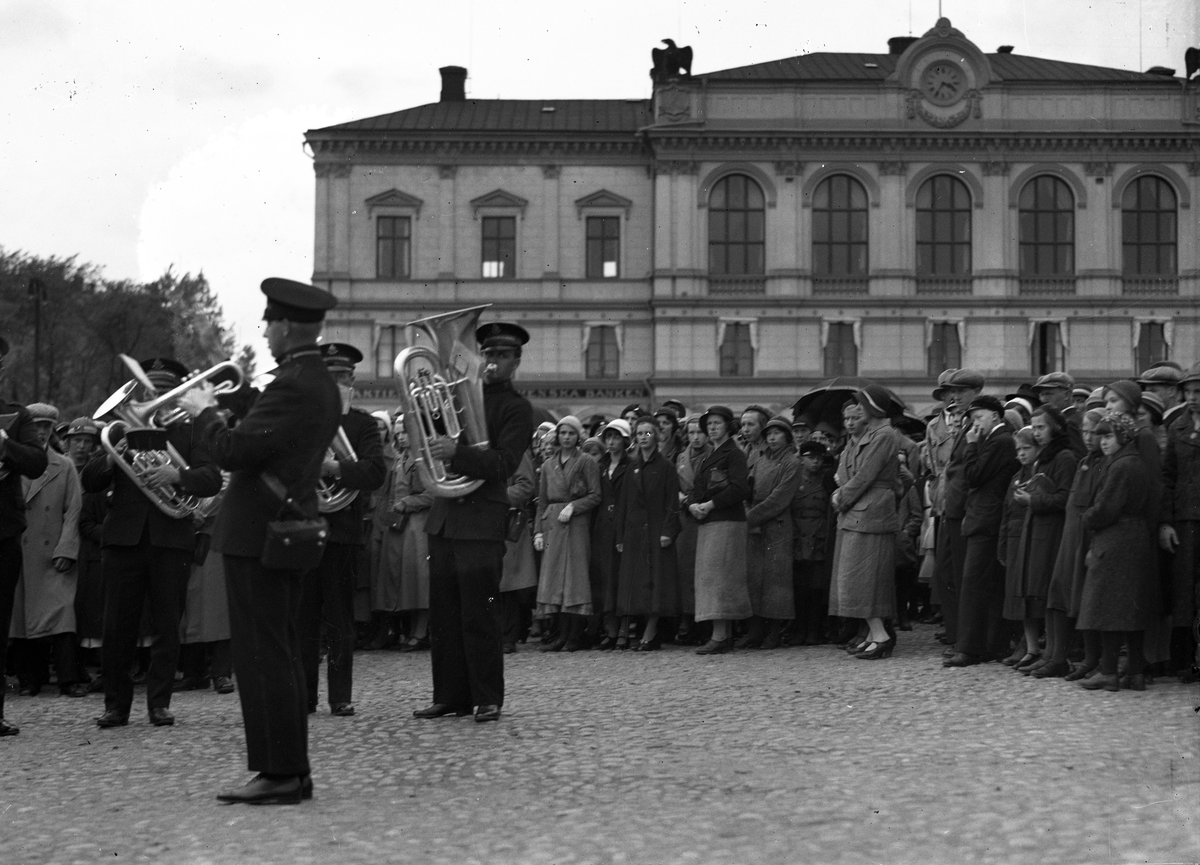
(292, 544)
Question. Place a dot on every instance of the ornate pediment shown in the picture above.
(944, 74)
(397, 199)
(602, 198)
(499, 198)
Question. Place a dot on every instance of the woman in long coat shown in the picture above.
(774, 478)
(1046, 498)
(687, 464)
(605, 560)
(1011, 549)
(717, 503)
(570, 488)
(863, 585)
(44, 603)
(1119, 592)
(647, 526)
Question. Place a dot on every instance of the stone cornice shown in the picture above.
(987, 144)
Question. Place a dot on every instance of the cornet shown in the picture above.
(145, 425)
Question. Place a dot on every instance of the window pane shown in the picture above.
(962, 225)
(821, 227)
(924, 226)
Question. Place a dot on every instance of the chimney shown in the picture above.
(454, 84)
(1164, 71)
(898, 44)
(1004, 49)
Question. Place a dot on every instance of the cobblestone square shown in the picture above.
(797, 755)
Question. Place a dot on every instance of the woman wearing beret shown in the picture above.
(864, 570)
(569, 489)
(716, 502)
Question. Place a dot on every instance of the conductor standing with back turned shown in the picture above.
(279, 444)
(466, 541)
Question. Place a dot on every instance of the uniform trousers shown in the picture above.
(328, 599)
(264, 627)
(948, 572)
(464, 630)
(11, 562)
(981, 629)
(131, 576)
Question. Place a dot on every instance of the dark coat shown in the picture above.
(131, 511)
(605, 560)
(812, 517)
(23, 457)
(648, 509)
(482, 515)
(364, 473)
(1010, 549)
(1120, 592)
(89, 591)
(1181, 471)
(1049, 488)
(1066, 583)
(955, 485)
(1074, 418)
(286, 432)
(989, 465)
(724, 480)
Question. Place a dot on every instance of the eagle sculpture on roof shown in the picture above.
(669, 61)
(1191, 62)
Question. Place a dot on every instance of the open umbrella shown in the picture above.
(824, 402)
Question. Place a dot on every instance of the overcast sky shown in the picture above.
(139, 135)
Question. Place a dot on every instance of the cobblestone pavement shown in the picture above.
(795, 755)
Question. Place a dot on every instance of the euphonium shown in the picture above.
(331, 495)
(441, 394)
(145, 425)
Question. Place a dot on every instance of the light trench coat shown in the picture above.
(44, 603)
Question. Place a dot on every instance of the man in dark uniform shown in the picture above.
(466, 542)
(147, 555)
(285, 433)
(329, 588)
(21, 455)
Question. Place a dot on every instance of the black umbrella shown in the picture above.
(824, 402)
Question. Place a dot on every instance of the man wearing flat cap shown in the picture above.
(1163, 380)
(466, 541)
(147, 556)
(329, 588)
(1056, 389)
(279, 444)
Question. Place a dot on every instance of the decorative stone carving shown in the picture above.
(674, 103)
(789, 168)
(602, 198)
(1098, 169)
(893, 167)
(394, 198)
(499, 198)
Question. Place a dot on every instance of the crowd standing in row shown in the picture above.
(1036, 527)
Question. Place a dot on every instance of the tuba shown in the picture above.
(441, 394)
(145, 425)
(331, 495)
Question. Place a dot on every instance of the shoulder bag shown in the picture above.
(292, 544)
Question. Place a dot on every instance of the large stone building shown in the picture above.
(743, 234)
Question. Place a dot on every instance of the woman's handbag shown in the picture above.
(292, 545)
(515, 524)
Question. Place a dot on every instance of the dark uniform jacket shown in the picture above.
(481, 515)
(130, 509)
(989, 466)
(23, 457)
(365, 473)
(286, 432)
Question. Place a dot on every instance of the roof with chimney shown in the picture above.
(561, 116)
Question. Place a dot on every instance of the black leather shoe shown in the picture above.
(716, 647)
(438, 710)
(961, 659)
(76, 690)
(342, 710)
(306, 786)
(223, 685)
(265, 791)
(162, 718)
(112, 718)
(7, 729)
(509, 648)
(487, 713)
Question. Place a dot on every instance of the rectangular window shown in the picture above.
(1048, 352)
(737, 352)
(944, 349)
(391, 341)
(1152, 345)
(841, 354)
(603, 247)
(499, 247)
(603, 359)
(393, 247)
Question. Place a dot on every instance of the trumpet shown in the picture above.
(441, 393)
(145, 426)
(331, 495)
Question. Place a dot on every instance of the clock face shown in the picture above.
(942, 83)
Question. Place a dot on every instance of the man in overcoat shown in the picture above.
(21, 455)
(466, 541)
(147, 555)
(284, 434)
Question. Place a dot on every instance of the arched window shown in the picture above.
(736, 227)
(943, 231)
(1047, 236)
(839, 208)
(1148, 228)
